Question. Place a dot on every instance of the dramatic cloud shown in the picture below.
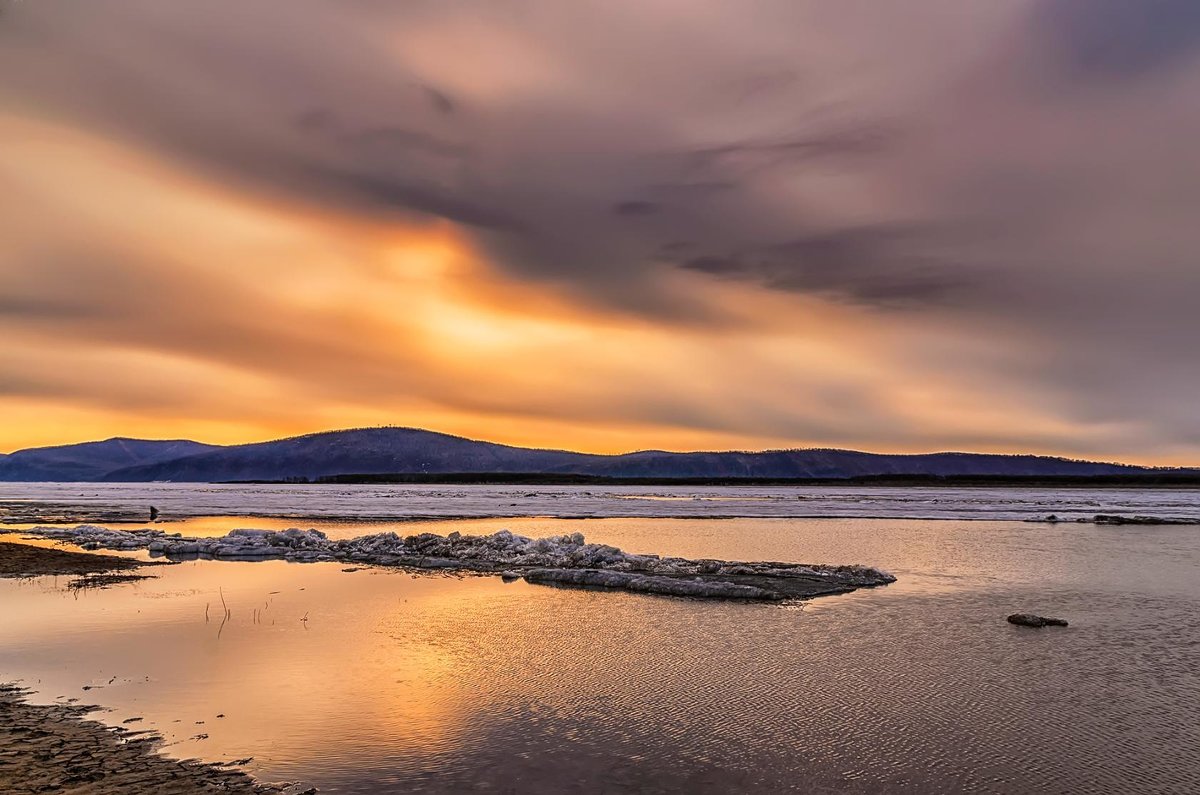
(1107, 40)
(899, 226)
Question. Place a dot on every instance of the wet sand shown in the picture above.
(94, 571)
(55, 749)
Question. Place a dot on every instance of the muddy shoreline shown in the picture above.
(88, 570)
(55, 748)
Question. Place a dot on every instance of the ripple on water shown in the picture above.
(444, 685)
(932, 694)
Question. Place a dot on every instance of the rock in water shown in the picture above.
(664, 586)
(1030, 620)
(1106, 518)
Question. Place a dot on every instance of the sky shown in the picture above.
(676, 224)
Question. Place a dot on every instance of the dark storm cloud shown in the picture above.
(879, 266)
(23, 308)
(440, 101)
(328, 111)
(859, 141)
(1117, 39)
(378, 193)
(247, 108)
(636, 207)
(327, 126)
(694, 188)
(401, 141)
(377, 172)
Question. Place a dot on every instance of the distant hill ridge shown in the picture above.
(413, 451)
(92, 461)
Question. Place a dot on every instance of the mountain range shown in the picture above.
(416, 452)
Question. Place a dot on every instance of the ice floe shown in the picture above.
(562, 559)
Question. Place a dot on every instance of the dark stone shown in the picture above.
(1030, 620)
(1105, 518)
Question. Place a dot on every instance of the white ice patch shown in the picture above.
(502, 551)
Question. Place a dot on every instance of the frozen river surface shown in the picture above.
(330, 502)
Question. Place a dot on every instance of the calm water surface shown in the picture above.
(439, 684)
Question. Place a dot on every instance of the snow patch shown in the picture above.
(565, 559)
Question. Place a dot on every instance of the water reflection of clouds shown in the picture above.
(331, 681)
(445, 684)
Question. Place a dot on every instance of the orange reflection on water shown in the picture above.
(370, 680)
(305, 647)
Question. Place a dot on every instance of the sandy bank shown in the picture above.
(92, 570)
(55, 749)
